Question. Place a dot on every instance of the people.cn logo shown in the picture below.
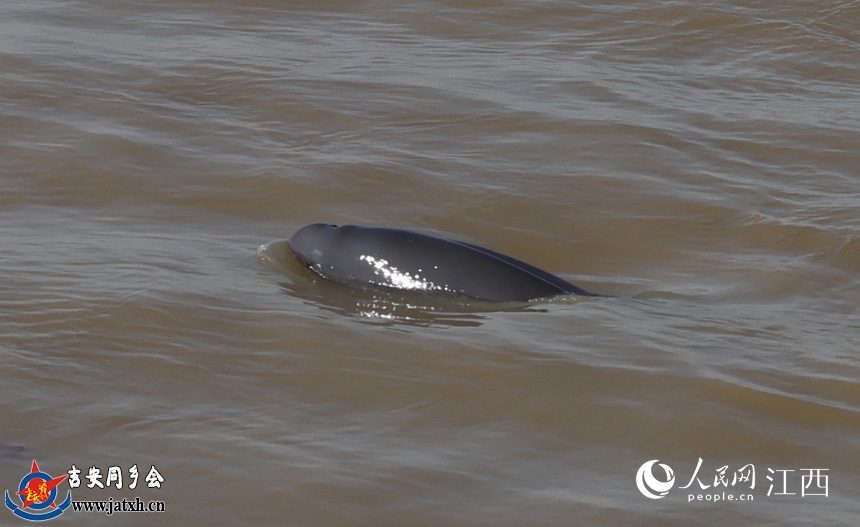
(651, 487)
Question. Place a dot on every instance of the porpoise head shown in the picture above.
(310, 244)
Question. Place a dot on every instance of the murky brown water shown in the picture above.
(697, 163)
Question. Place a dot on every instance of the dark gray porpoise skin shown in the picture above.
(410, 260)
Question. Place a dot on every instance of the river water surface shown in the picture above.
(695, 162)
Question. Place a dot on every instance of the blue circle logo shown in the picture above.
(37, 492)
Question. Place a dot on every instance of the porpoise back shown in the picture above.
(411, 260)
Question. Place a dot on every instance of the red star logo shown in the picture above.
(38, 489)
